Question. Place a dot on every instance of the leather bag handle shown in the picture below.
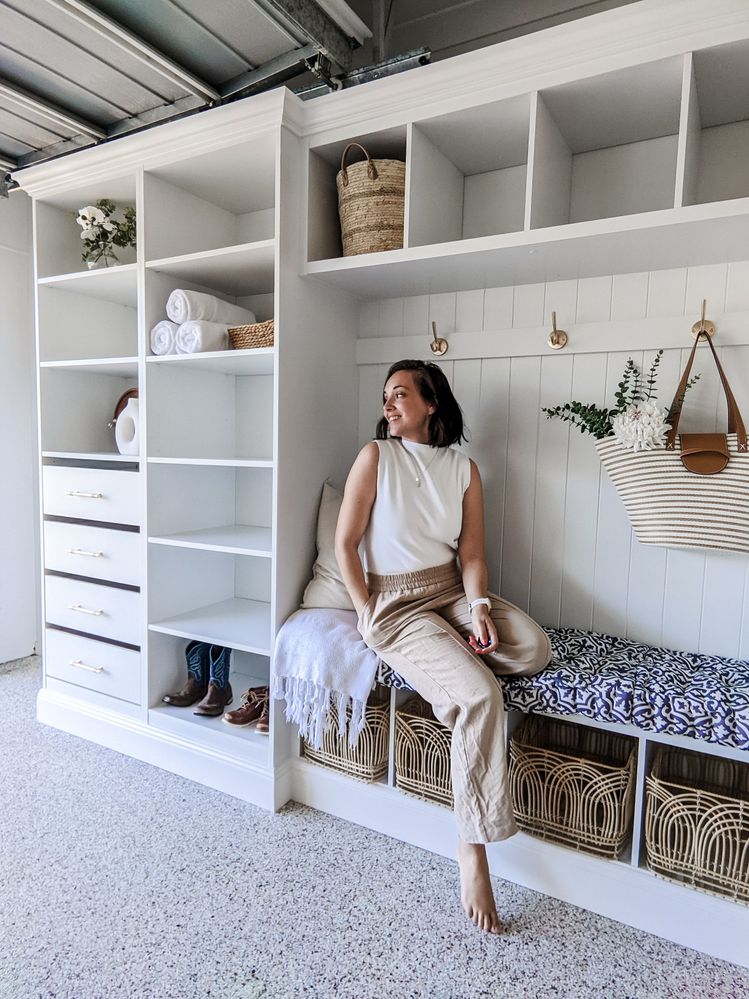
(371, 168)
(735, 423)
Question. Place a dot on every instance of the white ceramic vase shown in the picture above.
(127, 428)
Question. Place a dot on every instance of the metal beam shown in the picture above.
(281, 68)
(7, 164)
(34, 105)
(305, 23)
(135, 47)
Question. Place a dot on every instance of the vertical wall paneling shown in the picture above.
(520, 484)
(737, 291)
(629, 296)
(594, 300)
(551, 492)
(560, 297)
(498, 306)
(614, 537)
(706, 282)
(722, 604)
(744, 625)
(581, 507)
(371, 380)
(492, 443)
(558, 539)
(666, 292)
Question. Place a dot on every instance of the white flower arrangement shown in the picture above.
(101, 232)
(642, 426)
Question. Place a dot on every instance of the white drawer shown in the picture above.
(106, 668)
(107, 494)
(89, 607)
(92, 551)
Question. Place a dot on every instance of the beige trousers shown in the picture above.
(418, 623)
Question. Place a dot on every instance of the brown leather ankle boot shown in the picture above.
(190, 693)
(215, 700)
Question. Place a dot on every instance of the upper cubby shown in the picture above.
(606, 146)
(717, 124)
(58, 236)
(468, 173)
(323, 227)
(224, 198)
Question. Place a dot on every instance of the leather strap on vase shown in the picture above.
(735, 423)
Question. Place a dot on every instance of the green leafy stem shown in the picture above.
(595, 420)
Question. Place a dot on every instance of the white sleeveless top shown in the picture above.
(412, 526)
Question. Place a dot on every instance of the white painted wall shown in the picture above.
(18, 521)
(559, 543)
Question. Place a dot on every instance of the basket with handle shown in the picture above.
(371, 195)
(694, 497)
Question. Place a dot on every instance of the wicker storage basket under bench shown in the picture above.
(368, 759)
(573, 785)
(697, 822)
(422, 753)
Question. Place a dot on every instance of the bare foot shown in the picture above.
(476, 888)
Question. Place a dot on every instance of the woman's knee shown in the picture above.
(536, 653)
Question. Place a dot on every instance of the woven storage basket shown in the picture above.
(253, 335)
(422, 753)
(368, 759)
(573, 785)
(697, 822)
(370, 204)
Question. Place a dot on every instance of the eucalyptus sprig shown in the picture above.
(631, 390)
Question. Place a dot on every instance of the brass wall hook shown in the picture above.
(703, 325)
(557, 338)
(438, 344)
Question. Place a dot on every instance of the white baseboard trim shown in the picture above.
(166, 750)
(614, 889)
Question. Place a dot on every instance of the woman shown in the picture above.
(418, 503)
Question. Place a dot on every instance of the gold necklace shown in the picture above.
(419, 470)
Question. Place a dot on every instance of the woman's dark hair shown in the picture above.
(446, 422)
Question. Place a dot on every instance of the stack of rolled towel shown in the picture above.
(197, 322)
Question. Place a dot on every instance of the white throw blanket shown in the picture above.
(321, 660)
(198, 335)
(163, 337)
(183, 305)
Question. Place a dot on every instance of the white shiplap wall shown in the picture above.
(559, 543)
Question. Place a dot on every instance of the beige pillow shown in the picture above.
(326, 588)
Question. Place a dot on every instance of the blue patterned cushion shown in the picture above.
(612, 679)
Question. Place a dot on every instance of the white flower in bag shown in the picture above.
(641, 426)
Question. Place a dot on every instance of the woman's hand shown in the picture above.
(484, 638)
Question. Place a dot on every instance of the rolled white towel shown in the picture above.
(184, 305)
(198, 335)
(163, 337)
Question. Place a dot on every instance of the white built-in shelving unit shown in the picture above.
(616, 143)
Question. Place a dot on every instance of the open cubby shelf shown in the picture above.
(237, 623)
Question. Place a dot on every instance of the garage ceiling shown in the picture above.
(73, 73)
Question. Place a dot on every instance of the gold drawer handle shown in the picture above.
(85, 610)
(82, 551)
(82, 665)
(82, 495)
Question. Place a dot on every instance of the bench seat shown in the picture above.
(615, 680)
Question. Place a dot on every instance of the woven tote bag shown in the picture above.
(674, 507)
(371, 196)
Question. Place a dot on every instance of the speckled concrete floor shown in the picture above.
(120, 881)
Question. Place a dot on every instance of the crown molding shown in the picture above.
(626, 36)
(199, 133)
